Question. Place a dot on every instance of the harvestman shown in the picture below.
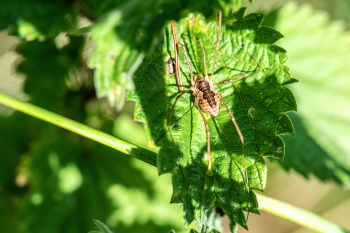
(206, 98)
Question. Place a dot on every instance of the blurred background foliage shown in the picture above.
(54, 181)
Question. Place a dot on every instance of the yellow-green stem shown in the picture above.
(81, 129)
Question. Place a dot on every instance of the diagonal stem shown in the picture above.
(267, 204)
(81, 129)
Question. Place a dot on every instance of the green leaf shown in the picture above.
(258, 102)
(111, 182)
(127, 33)
(103, 228)
(45, 63)
(115, 57)
(37, 18)
(320, 61)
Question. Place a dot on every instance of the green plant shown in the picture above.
(258, 101)
(132, 43)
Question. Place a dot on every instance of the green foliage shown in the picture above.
(37, 18)
(259, 103)
(124, 36)
(53, 181)
(102, 227)
(77, 180)
(55, 65)
(320, 147)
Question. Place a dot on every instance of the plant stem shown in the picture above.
(81, 129)
(278, 208)
(297, 215)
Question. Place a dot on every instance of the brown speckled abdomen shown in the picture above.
(208, 98)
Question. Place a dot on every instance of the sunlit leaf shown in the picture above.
(124, 36)
(320, 62)
(258, 102)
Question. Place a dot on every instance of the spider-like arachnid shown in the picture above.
(209, 101)
(206, 98)
(222, 112)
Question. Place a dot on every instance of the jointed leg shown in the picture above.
(241, 138)
(217, 46)
(176, 49)
(203, 55)
(243, 75)
(188, 63)
(172, 108)
(233, 119)
(178, 78)
(232, 80)
(207, 132)
(169, 127)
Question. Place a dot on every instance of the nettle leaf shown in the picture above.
(45, 63)
(258, 103)
(37, 18)
(321, 147)
(114, 58)
(127, 33)
(101, 226)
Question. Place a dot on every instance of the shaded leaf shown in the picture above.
(46, 66)
(37, 18)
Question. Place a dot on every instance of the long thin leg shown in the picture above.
(217, 46)
(203, 55)
(233, 119)
(243, 75)
(232, 80)
(177, 62)
(177, 73)
(172, 108)
(169, 127)
(207, 132)
(188, 62)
